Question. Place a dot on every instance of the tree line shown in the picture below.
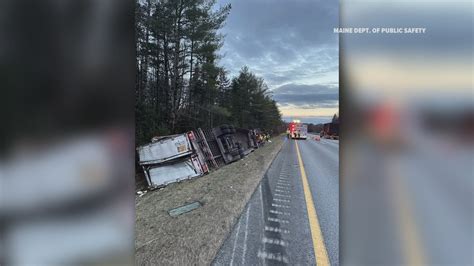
(319, 127)
(179, 84)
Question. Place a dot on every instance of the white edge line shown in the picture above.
(235, 242)
(245, 235)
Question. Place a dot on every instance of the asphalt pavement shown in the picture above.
(275, 228)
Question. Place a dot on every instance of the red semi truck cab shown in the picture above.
(297, 130)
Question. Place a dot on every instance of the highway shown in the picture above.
(293, 216)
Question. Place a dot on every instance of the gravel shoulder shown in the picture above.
(194, 238)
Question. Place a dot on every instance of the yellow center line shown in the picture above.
(318, 241)
(411, 243)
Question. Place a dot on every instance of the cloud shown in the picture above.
(307, 96)
(282, 41)
(280, 25)
(309, 119)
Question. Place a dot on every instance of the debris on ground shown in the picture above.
(184, 209)
(140, 193)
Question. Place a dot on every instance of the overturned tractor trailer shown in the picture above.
(174, 158)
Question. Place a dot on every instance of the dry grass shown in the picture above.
(194, 238)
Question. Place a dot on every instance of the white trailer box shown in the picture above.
(164, 174)
(165, 149)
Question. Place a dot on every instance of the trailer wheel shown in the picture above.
(226, 131)
(223, 127)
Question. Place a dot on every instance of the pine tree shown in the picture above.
(179, 83)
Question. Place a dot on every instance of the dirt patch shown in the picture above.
(195, 237)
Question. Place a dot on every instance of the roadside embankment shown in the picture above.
(195, 237)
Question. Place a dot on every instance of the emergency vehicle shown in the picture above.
(297, 130)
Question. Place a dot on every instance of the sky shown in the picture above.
(291, 45)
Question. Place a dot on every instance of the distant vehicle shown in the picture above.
(330, 131)
(297, 130)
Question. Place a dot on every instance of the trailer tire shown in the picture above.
(223, 127)
(226, 131)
